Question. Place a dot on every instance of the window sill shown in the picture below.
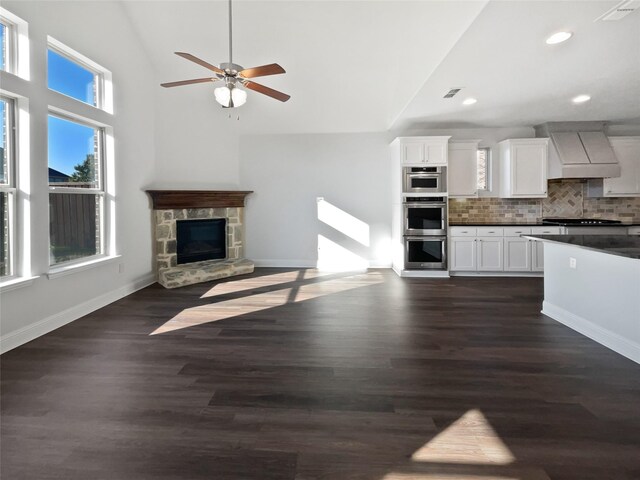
(15, 283)
(56, 272)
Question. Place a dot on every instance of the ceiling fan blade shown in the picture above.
(188, 82)
(283, 97)
(188, 56)
(262, 71)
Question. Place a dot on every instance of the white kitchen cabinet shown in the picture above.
(475, 249)
(463, 169)
(517, 250)
(537, 256)
(463, 254)
(497, 248)
(627, 150)
(490, 256)
(523, 168)
(420, 151)
(537, 248)
(517, 254)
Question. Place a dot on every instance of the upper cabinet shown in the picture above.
(420, 151)
(463, 169)
(523, 168)
(627, 150)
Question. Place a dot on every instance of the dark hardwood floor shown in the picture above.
(288, 374)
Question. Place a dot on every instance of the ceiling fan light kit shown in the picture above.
(230, 97)
(233, 75)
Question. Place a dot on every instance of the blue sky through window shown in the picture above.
(69, 78)
(3, 32)
(69, 144)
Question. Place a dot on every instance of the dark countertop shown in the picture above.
(621, 245)
(538, 224)
(499, 224)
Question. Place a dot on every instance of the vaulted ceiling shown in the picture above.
(374, 65)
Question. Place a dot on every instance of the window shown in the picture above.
(7, 187)
(76, 189)
(6, 43)
(70, 77)
(14, 44)
(484, 168)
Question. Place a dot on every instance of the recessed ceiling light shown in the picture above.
(469, 101)
(559, 38)
(581, 99)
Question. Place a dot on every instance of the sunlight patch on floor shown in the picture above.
(470, 439)
(255, 303)
(253, 283)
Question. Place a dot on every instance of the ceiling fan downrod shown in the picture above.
(230, 35)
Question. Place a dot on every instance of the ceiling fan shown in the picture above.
(233, 76)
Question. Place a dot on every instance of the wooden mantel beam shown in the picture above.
(175, 199)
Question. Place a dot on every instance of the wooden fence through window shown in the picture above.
(72, 220)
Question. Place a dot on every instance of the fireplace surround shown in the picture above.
(173, 206)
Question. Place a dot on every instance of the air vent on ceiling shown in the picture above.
(620, 11)
(451, 93)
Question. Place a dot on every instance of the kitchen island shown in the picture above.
(592, 284)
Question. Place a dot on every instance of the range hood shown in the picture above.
(579, 150)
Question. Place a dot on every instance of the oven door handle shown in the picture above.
(425, 204)
(434, 238)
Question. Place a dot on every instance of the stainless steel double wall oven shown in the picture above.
(425, 226)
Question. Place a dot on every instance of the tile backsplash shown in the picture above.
(567, 199)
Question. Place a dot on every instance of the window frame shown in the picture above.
(100, 190)
(10, 188)
(10, 47)
(16, 44)
(488, 169)
(74, 57)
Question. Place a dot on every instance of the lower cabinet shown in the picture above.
(517, 254)
(497, 249)
(462, 254)
(490, 254)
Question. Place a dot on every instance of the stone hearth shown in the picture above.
(172, 205)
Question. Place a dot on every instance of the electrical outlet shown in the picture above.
(121, 268)
(573, 263)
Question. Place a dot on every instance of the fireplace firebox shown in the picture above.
(202, 239)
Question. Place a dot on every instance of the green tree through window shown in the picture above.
(84, 171)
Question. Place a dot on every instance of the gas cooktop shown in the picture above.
(579, 221)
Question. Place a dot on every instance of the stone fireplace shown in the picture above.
(174, 206)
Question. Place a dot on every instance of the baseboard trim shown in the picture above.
(31, 332)
(285, 263)
(609, 339)
(497, 274)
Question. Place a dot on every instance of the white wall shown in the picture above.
(100, 31)
(289, 172)
(196, 141)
